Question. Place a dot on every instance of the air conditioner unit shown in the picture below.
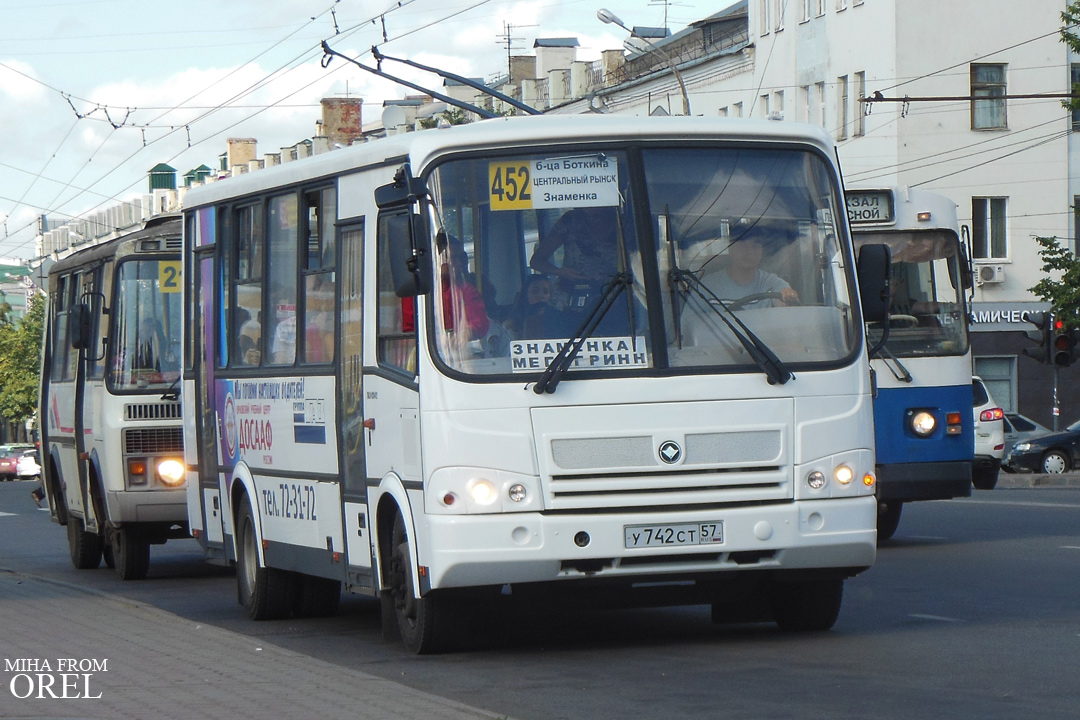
(991, 274)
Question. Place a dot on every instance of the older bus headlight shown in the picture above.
(171, 472)
(922, 423)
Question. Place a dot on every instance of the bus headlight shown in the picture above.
(482, 491)
(171, 472)
(843, 474)
(922, 423)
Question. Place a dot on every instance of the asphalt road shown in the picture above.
(972, 611)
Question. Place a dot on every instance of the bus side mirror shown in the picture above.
(967, 278)
(874, 266)
(80, 327)
(409, 263)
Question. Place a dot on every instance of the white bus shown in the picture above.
(111, 433)
(377, 396)
(924, 427)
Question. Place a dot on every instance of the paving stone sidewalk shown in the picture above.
(159, 665)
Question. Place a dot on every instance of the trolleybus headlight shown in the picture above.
(843, 474)
(482, 491)
(816, 479)
(517, 492)
(171, 472)
(922, 423)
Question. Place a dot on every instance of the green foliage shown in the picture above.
(1063, 293)
(20, 362)
(1071, 18)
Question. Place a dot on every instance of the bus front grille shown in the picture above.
(152, 411)
(153, 441)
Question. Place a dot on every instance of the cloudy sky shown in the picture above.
(93, 93)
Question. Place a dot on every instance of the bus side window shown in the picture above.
(247, 317)
(280, 326)
(397, 316)
(60, 344)
(319, 282)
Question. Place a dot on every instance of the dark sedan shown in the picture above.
(1055, 453)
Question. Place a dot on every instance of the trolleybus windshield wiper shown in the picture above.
(890, 361)
(550, 378)
(762, 354)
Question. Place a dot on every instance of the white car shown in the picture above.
(28, 466)
(989, 437)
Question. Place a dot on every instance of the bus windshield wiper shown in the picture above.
(173, 393)
(893, 363)
(562, 361)
(762, 355)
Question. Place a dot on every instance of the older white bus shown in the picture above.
(111, 434)
(527, 358)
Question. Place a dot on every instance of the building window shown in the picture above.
(764, 105)
(722, 112)
(841, 5)
(820, 7)
(778, 103)
(764, 24)
(806, 10)
(841, 107)
(999, 377)
(807, 104)
(820, 90)
(987, 81)
(988, 239)
(736, 110)
(1076, 222)
(860, 114)
(778, 13)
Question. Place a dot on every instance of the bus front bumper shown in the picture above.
(478, 550)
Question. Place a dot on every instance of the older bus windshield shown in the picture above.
(146, 319)
(736, 239)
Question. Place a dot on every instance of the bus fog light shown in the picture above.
(171, 472)
(482, 491)
(843, 474)
(816, 479)
(922, 423)
(517, 493)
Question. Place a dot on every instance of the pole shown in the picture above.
(1057, 408)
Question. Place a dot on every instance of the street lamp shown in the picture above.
(609, 18)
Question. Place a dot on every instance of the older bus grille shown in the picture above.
(152, 411)
(152, 441)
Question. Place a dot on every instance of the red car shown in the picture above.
(9, 459)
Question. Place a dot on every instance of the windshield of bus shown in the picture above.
(144, 343)
(927, 315)
(535, 250)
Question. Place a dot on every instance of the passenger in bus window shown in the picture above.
(149, 345)
(463, 305)
(589, 241)
(743, 278)
(250, 330)
(530, 311)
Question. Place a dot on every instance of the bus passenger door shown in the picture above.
(357, 520)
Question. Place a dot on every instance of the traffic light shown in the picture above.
(1041, 336)
(1063, 344)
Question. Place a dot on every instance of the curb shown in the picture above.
(1038, 480)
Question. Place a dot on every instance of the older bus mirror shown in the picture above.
(873, 270)
(80, 326)
(409, 262)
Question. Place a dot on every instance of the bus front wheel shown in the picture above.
(131, 553)
(425, 622)
(807, 605)
(888, 519)
(264, 592)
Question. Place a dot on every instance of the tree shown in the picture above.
(20, 363)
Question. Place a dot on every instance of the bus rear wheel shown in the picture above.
(425, 622)
(264, 592)
(131, 553)
(807, 605)
(84, 547)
